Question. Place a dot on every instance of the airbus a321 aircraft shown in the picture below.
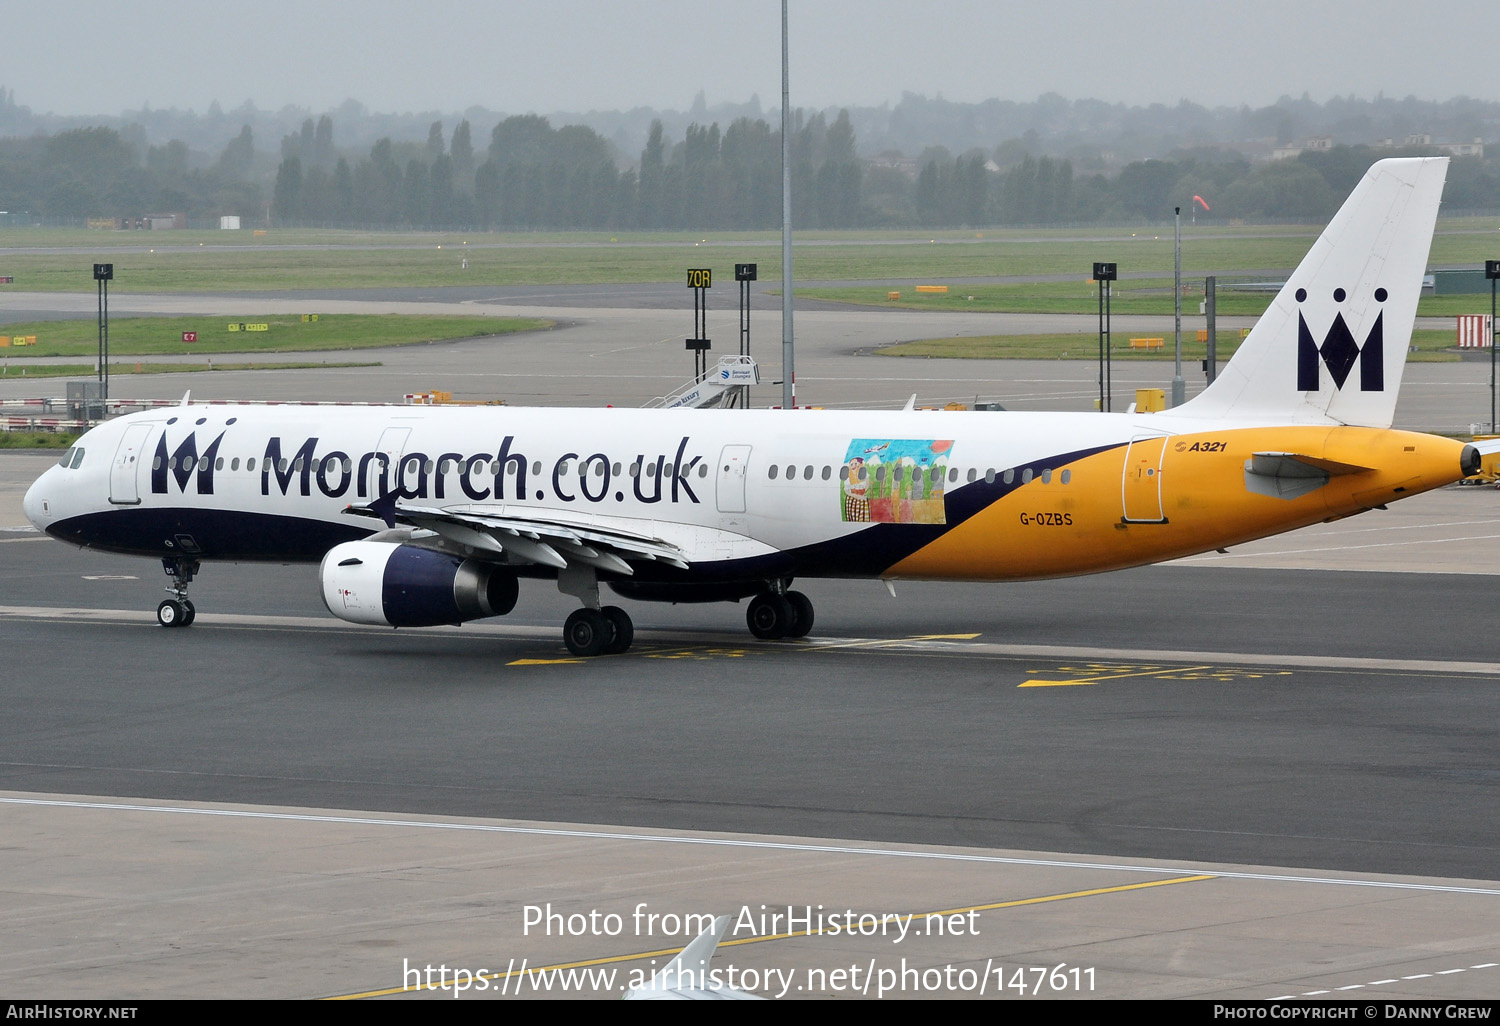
(423, 516)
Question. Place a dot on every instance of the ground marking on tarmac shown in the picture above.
(1383, 983)
(1098, 672)
(924, 916)
(733, 842)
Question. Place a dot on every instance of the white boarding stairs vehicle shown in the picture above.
(731, 376)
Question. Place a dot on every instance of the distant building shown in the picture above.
(146, 223)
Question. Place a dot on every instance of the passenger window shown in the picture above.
(827, 473)
(989, 476)
(774, 471)
(536, 468)
(635, 469)
(219, 463)
(1047, 476)
(203, 464)
(844, 473)
(1010, 475)
(864, 473)
(442, 466)
(791, 472)
(972, 474)
(234, 464)
(703, 470)
(156, 463)
(808, 473)
(1026, 476)
(615, 470)
(1067, 475)
(880, 473)
(250, 463)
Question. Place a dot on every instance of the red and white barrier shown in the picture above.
(1474, 331)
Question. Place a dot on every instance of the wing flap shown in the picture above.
(547, 540)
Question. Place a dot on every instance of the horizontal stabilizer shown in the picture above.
(1289, 475)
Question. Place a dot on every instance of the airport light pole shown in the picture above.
(788, 363)
(1179, 390)
(1492, 272)
(103, 275)
(1104, 274)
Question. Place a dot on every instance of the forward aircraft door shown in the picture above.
(1141, 486)
(124, 473)
(392, 445)
(734, 465)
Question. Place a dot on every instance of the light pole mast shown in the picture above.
(1179, 390)
(788, 364)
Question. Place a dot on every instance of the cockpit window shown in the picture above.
(77, 459)
(66, 458)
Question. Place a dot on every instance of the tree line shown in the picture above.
(533, 176)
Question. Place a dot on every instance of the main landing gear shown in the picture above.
(604, 631)
(594, 629)
(780, 614)
(177, 611)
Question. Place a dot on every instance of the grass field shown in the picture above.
(156, 336)
(1431, 347)
(61, 260)
(37, 439)
(1135, 296)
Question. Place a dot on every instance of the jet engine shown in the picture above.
(397, 585)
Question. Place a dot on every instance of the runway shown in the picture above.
(1255, 775)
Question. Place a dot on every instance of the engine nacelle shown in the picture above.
(392, 585)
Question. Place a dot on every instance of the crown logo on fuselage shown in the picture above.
(1339, 351)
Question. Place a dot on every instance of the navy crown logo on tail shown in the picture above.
(1339, 351)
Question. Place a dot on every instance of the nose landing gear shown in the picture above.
(177, 611)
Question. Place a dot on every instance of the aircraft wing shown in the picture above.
(525, 537)
(687, 976)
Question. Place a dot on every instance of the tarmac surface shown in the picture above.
(1269, 774)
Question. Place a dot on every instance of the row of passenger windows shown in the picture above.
(897, 473)
(73, 457)
(444, 466)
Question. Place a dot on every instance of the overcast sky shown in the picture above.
(88, 57)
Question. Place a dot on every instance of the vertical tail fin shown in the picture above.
(1332, 345)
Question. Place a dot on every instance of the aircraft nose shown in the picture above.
(35, 504)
